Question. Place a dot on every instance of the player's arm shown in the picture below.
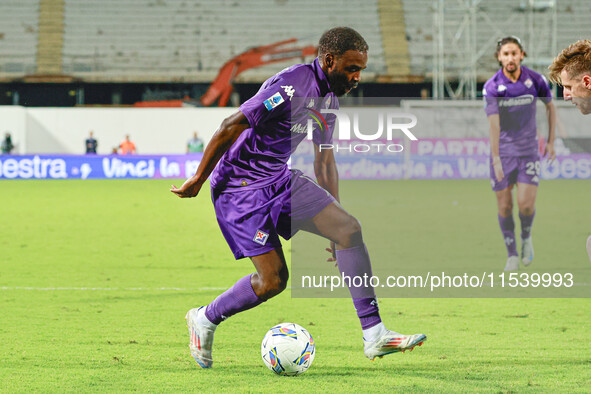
(325, 168)
(494, 136)
(551, 114)
(222, 140)
(545, 95)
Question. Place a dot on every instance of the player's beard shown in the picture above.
(581, 98)
(583, 104)
(340, 83)
(511, 68)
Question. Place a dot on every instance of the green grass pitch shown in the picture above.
(96, 278)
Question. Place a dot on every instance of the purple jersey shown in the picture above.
(259, 156)
(515, 102)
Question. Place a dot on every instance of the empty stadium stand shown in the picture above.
(19, 23)
(188, 40)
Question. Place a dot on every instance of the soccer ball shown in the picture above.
(288, 349)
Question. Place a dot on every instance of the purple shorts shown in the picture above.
(252, 221)
(522, 169)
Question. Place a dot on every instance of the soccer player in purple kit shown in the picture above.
(510, 98)
(257, 198)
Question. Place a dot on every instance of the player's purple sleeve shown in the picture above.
(270, 102)
(491, 104)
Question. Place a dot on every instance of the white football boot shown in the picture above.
(391, 342)
(527, 251)
(512, 264)
(201, 337)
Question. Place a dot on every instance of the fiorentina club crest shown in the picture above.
(528, 83)
(261, 237)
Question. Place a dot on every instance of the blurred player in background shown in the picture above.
(572, 69)
(127, 147)
(257, 198)
(195, 144)
(7, 146)
(510, 97)
(91, 144)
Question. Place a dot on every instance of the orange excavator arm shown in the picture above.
(221, 88)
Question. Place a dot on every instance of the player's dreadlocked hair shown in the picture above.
(575, 59)
(339, 40)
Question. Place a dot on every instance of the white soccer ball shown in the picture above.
(288, 349)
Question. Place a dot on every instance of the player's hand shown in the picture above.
(189, 189)
(550, 152)
(498, 167)
(332, 250)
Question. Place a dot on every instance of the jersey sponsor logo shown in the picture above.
(260, 237)
(273, 101)
(528, 83)
(299, 128)
(525, 99)
(501, 88)
(289, 90)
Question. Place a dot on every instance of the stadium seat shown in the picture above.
(18, 37)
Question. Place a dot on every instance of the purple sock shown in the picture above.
(507, 227)
(367, 311)
(354, 262)
(237, 298)
(526, 222)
